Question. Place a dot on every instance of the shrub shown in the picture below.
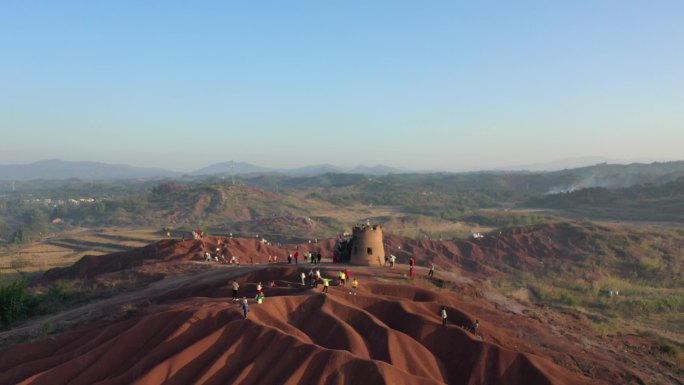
(12, 302)
(568, 299)
(45, 330)
(20, 263)
(129, 310)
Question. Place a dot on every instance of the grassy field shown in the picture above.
(638, 308)
(67, 248)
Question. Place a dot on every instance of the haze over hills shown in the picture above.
(578, 162)
(55, 169)
(597, 175)
(619, 175)
(238, 168)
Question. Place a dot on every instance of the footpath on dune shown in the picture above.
(190, 332)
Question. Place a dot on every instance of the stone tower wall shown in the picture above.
(367, 246)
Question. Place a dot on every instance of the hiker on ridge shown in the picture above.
(245, 307)
(236, 287)
(316, 277)
(260, 293)
(326, 285)
(355, 285)
(303, 276)
(431, 273)
(444, 316)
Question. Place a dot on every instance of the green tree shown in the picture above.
(12, 302)
(36, 221)
(4, 229)
(20, 236)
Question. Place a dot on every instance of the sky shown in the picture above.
(438, 85)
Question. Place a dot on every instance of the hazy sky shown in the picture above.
(420, 84)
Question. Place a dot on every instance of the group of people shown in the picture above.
(259, 298)
(313, 275)
(392, 259)
(314, 278)
(314, 259)
(471, 328)
(344, 276)
(220, 258)
(412, 264)
(243, 303)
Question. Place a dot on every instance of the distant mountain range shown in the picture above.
(571, 163)
(242, 168)
(597, 175)
(56, 169)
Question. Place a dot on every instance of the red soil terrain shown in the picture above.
(525, 248)
(185, 329)
(389, 333)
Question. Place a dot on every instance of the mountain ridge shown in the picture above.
(587, 176)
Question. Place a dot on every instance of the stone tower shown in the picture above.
(367, 247)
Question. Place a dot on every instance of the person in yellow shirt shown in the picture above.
(355, 284)
(343, 277)
(326, 285)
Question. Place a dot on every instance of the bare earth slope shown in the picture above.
(184, 329)
(389, 333)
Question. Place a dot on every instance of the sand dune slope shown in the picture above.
(388, 334)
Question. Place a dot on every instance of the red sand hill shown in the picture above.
(526, 248)
(389, 333)
(186, 331)
(529, 248)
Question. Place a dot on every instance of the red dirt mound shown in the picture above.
(529, 248)
(168, 250)
(248, 250)
(389, 333)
